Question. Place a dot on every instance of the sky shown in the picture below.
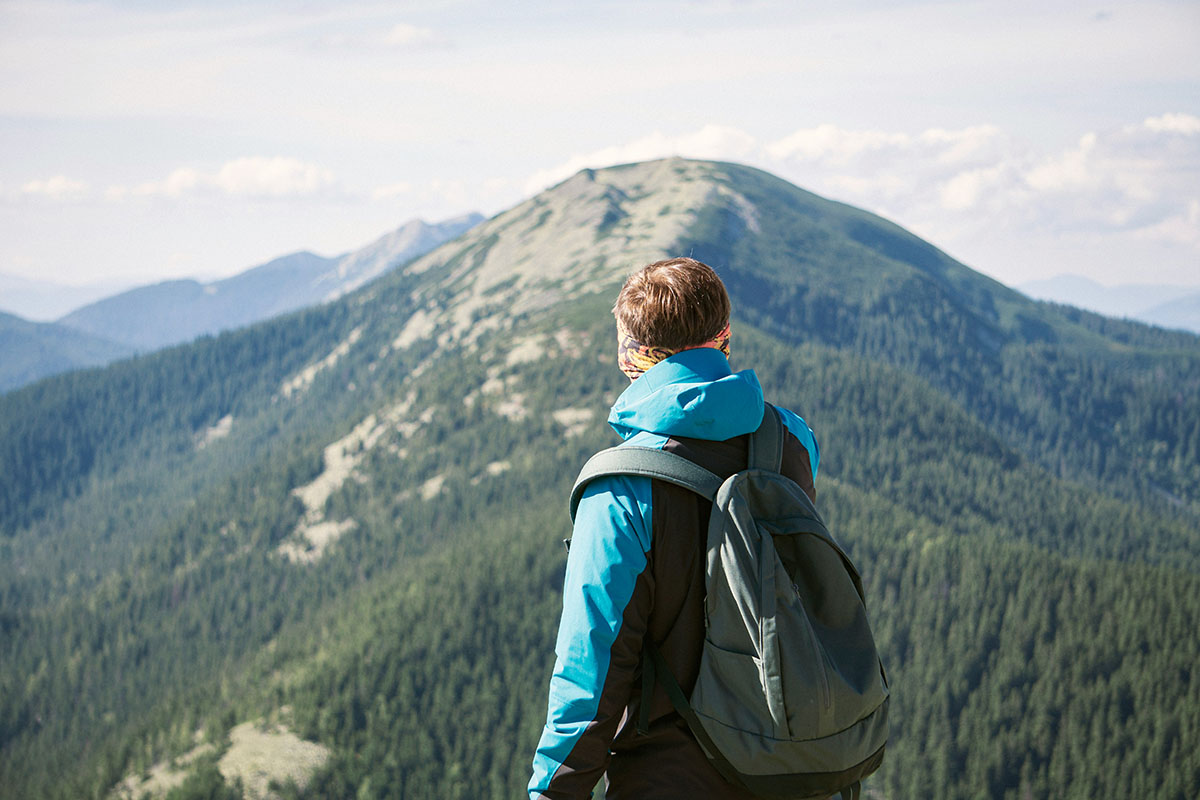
(141, 141)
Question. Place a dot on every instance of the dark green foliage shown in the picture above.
(33, 350)
(1019, 484)
(60, 433)
(1112, 403)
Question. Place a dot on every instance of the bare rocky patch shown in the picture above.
(161, 778)
(315, 533)
(259, 756)
(220, 430)
(306, 376)
(574, 420)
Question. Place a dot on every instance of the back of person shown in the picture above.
(667, 762)
(636, 563)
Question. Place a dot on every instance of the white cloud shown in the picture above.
(1067, 171)
(715, 142)
(1142, 178)
(1182, 228)
(834, 145)
(840, 147)
(251, 178)
(59, 187)
(273, 177)
(1138, 178)
(405, 35)
(391, 191)
(958, 187)
(1174, 123)
(966, 189)
(400, 36)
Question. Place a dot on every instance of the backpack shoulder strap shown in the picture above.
(647, 462)
(766, 443)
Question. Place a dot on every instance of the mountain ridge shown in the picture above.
(34, 350)
(170, 312)
(432, 421)
(45, 301)
(147, 318)
(1176, 307)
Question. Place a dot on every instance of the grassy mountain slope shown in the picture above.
(349, 517)
(1112, 403)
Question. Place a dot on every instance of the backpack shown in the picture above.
(791, 698)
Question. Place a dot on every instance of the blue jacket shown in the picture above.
(692, 395)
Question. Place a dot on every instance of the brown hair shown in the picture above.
(674, 304)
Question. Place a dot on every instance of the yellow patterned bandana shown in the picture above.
(634, 358)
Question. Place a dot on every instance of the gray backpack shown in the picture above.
(791, 699)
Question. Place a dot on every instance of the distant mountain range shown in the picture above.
(45, 301)
(339, 529)
(1173, 307)
(162, 314)
(150, 317)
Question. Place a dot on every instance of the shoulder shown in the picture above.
(796, 426)
(618, 505)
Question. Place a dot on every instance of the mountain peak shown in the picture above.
(586, 232)
(153, 316)
(411, 239)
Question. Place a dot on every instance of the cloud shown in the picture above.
(965, 190)
(1174, 123)
(1143, 178)
(400, 36)
(251, 178)
(833, 145)
(405, 35)
(273, 177)
(710, 142)
(1182, 228)
(391, 191)
(59, 188)
(959, 186)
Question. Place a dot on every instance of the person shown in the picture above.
(636, 562)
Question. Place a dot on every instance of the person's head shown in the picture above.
(669, 306)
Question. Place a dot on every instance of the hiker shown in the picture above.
(636, 564)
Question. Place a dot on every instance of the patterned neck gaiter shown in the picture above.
(634, 358)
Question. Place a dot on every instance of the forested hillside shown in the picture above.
(33, 350)
(348, 520)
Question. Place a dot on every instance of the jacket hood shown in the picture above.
(694, 393)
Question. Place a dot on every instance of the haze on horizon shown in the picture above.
(145, 141)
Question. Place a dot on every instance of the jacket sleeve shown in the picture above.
(599, 644)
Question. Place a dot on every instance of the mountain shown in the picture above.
(1182, 313)
(1175, 307)
(33, 350)
(43, 301)
(150, 317)
(335, 535)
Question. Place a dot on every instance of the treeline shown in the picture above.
(122, 674)
(1112, 403)
(1018, 483)
(57, 434)
(419, 648)
(1008, 659)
